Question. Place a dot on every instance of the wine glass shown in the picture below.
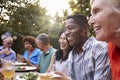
(8, 69)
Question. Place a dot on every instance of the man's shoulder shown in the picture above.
(53, 49)
(96, 43)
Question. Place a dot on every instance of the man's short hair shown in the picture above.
(43, 38)
(79, 20)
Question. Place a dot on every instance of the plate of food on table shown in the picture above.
(36, 76)
(20, 63)
(25, 68)
(28, 76)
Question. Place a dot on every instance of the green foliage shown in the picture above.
(28, 20)
(24, 18)
(54, 41)
(58, 24)
(80, 7)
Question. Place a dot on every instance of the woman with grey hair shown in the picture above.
(6, 51)
(105, 20)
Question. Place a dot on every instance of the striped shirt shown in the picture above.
(92, 64)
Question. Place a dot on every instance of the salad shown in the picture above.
(29, 76)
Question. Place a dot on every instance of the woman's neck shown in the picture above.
(31, 50)
(64, 52)
(116, 41)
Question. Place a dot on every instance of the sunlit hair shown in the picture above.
(59, 52)
(43, 38)
(8, 38)
(91, 1)
(79, 20)
(115, 2)
(30, 39)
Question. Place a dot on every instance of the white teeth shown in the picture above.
(68, 37)
(96, 28)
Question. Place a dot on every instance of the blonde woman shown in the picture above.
(105, 19)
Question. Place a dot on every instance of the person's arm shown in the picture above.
(5, 51)
(64, 76)
(38, 54)
(51, 63)
(38, 67)
(102, 65)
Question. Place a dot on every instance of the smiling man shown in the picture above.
(89, 59)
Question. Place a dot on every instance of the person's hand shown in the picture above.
(38, 67)
(28, 62)
(20, 58)
(64, 76)
(5, 51)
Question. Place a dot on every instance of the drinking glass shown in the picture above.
(8, 69)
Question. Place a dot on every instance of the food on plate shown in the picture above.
(29, 76)
(44, 76)
(21, 68)
(25, 68)
(48, 76)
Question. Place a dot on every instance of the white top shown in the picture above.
(61, 66)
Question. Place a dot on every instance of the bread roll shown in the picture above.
(44, 76)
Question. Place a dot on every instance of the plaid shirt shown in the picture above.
(92, 64)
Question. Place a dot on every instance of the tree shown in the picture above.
(28, 20)
(24, 19)
(80, 7)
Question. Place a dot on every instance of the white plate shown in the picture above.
(51, 75)
(19, 63)
(25, 68)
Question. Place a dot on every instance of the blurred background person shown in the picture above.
(43, 42)
(59, 59)
(32, 54)
(6, 52)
